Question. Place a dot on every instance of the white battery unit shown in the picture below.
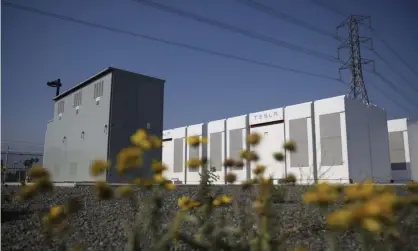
(177, 171)
(350, 143)
(403, 146)
(269, 125)
(193, 174)
(168, 151)
(217, 148)
(237, 130)
(299, 128)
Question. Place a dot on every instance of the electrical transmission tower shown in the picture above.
(355, 62)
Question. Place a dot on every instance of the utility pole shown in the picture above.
(6, 158)
(355, 62)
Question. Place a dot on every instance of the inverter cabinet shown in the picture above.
(237, 130)
(269, 125)
(403, 143)
(350, 141)
(217, 148)
(199, 152)
(299, 125)
(95, 119)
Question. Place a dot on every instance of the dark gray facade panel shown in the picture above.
(298, 132)
(236, 142)
(137, 101)
(397, 151)
(194, 152)
(216, 160)
(178, 155)
(331, 143)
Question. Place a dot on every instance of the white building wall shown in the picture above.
(192, 174)
(401, 125)
(216, 148)
(237, 129)
(168, 152)
(178, 170)
(304, 172)
(379, 143)
(413, 148)
(333, 172)
(269, 125)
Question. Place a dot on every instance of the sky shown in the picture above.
(200, 87)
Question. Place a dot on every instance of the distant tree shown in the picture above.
(29, 162)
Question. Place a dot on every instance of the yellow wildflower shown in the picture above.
(204, 140)
(193, 141)
(239, 164)
(37, 171)
(158, 167)
(194, 163)
(371, 225)
(249, 155)
(412, 186)
(246, 184)
(278, 156)
(170, 186)
(229, 162)
(225, 199)
(259, 169)
(158, 178)
(230, 177)
(290, 146)
(253, 139)
(129, 157)
(44, 184)
(340, 219)
(104, 191)
(183, 203)
(56, 211)
(216, 202)
(139, 136)
(155, 141)
(98, 167)
(290, 178)
(27, 192)
(125, 191)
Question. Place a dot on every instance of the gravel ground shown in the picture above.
(99, 226)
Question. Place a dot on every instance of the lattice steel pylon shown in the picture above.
(355, 62)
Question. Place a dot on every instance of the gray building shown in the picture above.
(95, 119)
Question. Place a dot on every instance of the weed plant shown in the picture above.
(373, 211)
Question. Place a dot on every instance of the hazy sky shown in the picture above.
(199, 87)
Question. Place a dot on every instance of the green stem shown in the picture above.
(332, 241)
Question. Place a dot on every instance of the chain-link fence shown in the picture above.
(15, 164)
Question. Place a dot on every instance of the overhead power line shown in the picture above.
(394, 101)
(21, 142)
(164, 41)
(394, 87)
(173, 43)
(391, 66)
(234, 29)
(386, 44)
(303, 24)
(286, 17)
